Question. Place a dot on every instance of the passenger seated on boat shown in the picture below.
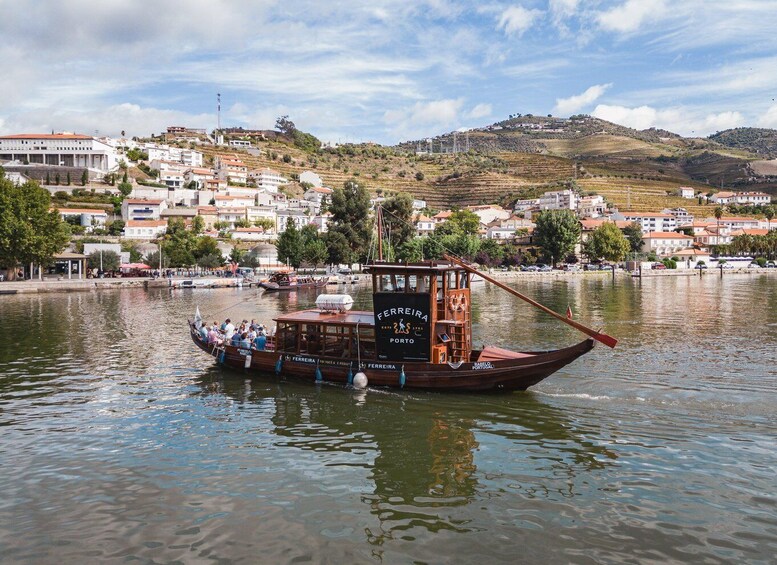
(235, 339)
(260, 342)
(204, 332)
(244, 341)
(214, 336)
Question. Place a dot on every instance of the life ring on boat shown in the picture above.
(463, 303)
(453, 303)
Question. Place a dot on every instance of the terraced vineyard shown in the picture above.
(645, 196)
(606, 165)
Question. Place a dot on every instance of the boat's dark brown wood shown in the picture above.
(418, 337)
(282, 281)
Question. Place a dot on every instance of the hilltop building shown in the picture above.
(59, 149)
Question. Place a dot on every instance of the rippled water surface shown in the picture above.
(123, 443)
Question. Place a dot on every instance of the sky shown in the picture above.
(384, 70)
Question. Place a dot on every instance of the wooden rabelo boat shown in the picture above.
(418, 337)
(285, 281)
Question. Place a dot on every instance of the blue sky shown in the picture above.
(383, 70)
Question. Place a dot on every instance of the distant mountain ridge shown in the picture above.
(530, 134)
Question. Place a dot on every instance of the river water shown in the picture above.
(121, 442)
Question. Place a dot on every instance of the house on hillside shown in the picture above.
(650, 221)
(666, 244)
(686, 192)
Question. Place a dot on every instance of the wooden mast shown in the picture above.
(379, 214)
(598, 336)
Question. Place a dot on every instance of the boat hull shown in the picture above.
(275, 287)
(484, 376)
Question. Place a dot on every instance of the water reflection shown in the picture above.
(420, 451)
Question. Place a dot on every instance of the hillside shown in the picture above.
(762, 142)
(526, 155)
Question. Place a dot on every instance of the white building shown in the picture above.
(312, 178)
(316, 195)
(87, 217)
(59, 149)
(231, 215)
(268, 179)
(558, 200)
(124, 256)
(199, 176)
(173, 178)
(753, 198)
(231, 169)
(591, 206)
(227, 200)
(686, 192)
(488, 214)
(186, 157)
(681, 216)
(300, 219)
(144, 229)
(526, 204)
(419, 204)
(665, 244)
(134, 209)
(424, 225)
(650, 221)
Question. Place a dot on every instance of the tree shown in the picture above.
(152, 260)
(290, 245)
(633, 233)
(398, 218)
(419, 176)
(30, 231)
(109, 260)
(769, 213)
(84, 177)
(284, 125)
(491, 253)
(338, 249)
(266, 224)
(125, 188)
(115, 227)
(68, 182)
(718, 213)
(236, 255)
(607, 242)
(132, 247)
(557, 232)
(350, 209)
(315, 252)
(198, 225)
(179, 244)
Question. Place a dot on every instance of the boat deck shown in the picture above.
(362, 318)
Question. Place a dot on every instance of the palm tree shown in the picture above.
(769, 213)
(718, 215)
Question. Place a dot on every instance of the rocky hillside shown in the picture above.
(762, 142)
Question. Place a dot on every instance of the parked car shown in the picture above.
(754, 265)
(532, 268)
(771, 265)
(700, 266)
(658, 266)
(572, 268)
(544, 268)
(592, 267)
(728, 266)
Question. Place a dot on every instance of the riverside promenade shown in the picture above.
(78, 285)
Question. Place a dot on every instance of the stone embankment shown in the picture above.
(75, 285)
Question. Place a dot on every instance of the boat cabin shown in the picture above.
(422, 313)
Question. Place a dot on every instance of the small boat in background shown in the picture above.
(288, 281)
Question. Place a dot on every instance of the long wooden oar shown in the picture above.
(598, 336)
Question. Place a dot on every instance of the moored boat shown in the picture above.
(419, 336)
(288, 281)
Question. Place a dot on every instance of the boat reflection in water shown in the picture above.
(426, 456)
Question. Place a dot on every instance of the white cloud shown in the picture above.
(108, 120)
(423, 118)
(769, 119)
(480, 111)
(573, 104)
(680, 120)
(630, 16)
(516, 20)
